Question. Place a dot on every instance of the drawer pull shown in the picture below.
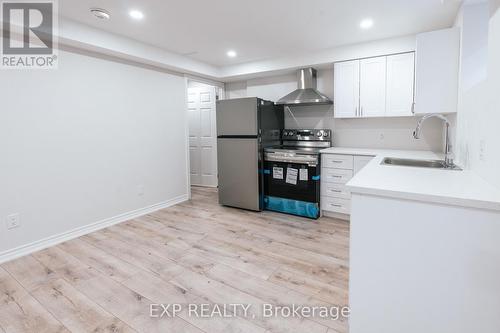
(336, 191)
(336, 205)
(337, 161)
(335, 176)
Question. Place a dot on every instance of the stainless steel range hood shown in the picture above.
(306, 94)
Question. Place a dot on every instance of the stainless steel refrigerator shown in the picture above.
(245, 126)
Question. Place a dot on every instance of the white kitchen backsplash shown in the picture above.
(391, 133)
(395, 133)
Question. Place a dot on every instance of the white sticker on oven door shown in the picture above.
(303, 174)
(277, 173)
(291, 176)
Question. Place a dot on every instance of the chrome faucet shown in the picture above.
(448, 159)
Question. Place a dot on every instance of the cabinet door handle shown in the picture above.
(413, 108)
(356, 112)
(361, 112)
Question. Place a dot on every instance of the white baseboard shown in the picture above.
(334, 215)
(75, 233)
(206, 186)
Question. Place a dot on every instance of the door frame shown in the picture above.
(220, 94)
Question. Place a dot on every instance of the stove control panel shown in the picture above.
(307, 135)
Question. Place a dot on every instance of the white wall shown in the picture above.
(367, 133)
(79, 144)
(478, 137)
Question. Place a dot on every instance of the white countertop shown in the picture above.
(459, 188)
(423, 154)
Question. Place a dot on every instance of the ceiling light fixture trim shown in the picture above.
(100, 13)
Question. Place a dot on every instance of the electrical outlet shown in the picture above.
(140, 190)
(13, 221)
(482, 150)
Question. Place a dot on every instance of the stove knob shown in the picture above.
(325, 134)
(319, 134)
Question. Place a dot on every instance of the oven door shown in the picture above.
(292, 187)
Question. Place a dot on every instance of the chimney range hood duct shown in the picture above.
(306, 94)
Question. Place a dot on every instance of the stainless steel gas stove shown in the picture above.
(292, 172)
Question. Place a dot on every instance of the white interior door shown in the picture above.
(372, 87)
(400, 83)
(202, 136)
(346, 89)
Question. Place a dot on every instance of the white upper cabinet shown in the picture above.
(437, 63)
(375, 87)
(373, 75)
(346, 89)
(400, 85)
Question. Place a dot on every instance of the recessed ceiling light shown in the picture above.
(366, 23)
(231, 54)
(136, 14)
(100, 13)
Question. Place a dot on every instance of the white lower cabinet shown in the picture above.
(336, 205)
(334, 190)
(339, 162)
(336, 176)
(359, 162)
(336, 171)
(443, 255)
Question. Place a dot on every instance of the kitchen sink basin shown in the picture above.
(433, 164)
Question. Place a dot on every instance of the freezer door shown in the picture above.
(239, 179)
(237, 117)
(271, 124)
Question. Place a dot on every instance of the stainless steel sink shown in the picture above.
(434, 164)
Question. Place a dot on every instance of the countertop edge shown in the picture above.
(427, 198)
(459, 200)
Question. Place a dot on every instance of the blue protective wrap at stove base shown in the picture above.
(289, 206)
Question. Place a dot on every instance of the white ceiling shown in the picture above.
(261, 29)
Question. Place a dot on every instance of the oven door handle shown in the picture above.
(310, 161)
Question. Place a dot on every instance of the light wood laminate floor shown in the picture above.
(195, 252)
